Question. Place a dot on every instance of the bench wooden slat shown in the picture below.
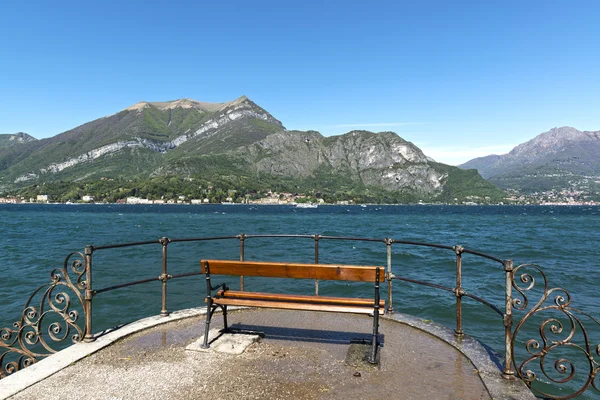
(293, 270)
(298, 306)
(233, 294)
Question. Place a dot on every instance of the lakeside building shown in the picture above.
(138, 200)
(9, 200)
(42, 198)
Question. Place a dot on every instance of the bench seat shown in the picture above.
(298, 302)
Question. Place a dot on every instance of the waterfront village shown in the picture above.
(553, 197)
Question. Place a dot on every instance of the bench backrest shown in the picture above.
(293, 270)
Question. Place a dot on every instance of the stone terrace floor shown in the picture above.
(304, 355)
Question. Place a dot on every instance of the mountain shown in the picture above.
(560, 158)
(236, 140)
(8, 139)
(133, 142)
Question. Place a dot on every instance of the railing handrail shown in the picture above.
(307, 236)
(457, 290)
(81, 268)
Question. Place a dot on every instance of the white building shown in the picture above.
(137, 200)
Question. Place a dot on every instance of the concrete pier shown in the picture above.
(303, 355)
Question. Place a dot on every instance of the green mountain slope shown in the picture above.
(144, 132)
(240, 143)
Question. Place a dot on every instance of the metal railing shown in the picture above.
(42, 330)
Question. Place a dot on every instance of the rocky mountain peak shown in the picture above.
(189, 103)
(138, 106)
(553, 141)
(558, 135)
(561, 157)
(22, 137)
(14, 138)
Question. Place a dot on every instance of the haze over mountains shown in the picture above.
(560, 158)
(189, 138)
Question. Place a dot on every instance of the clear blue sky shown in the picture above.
(458, 78)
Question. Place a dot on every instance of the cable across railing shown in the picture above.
(57, 318)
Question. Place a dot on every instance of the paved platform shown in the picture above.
(304, 355)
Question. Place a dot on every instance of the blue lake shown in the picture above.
(563, 241)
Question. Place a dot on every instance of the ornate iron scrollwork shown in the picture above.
(563, 353)
(41, 329)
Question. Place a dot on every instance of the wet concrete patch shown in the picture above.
(358, 357)
(221, 342)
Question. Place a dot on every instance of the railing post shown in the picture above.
(89, 294)
(164, 277)
(458, 291)
(316, 237)
(242, 237)
(388, 242)
(507, 372)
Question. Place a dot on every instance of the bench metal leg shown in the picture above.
(210, 309)
(225, 327)
(373, 357)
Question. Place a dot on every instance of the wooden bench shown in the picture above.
(225, 297)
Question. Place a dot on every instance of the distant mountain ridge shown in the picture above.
(561, 157)
(186, 103)
(9, 139)
(238, 139)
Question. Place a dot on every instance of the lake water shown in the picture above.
(564, 241)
